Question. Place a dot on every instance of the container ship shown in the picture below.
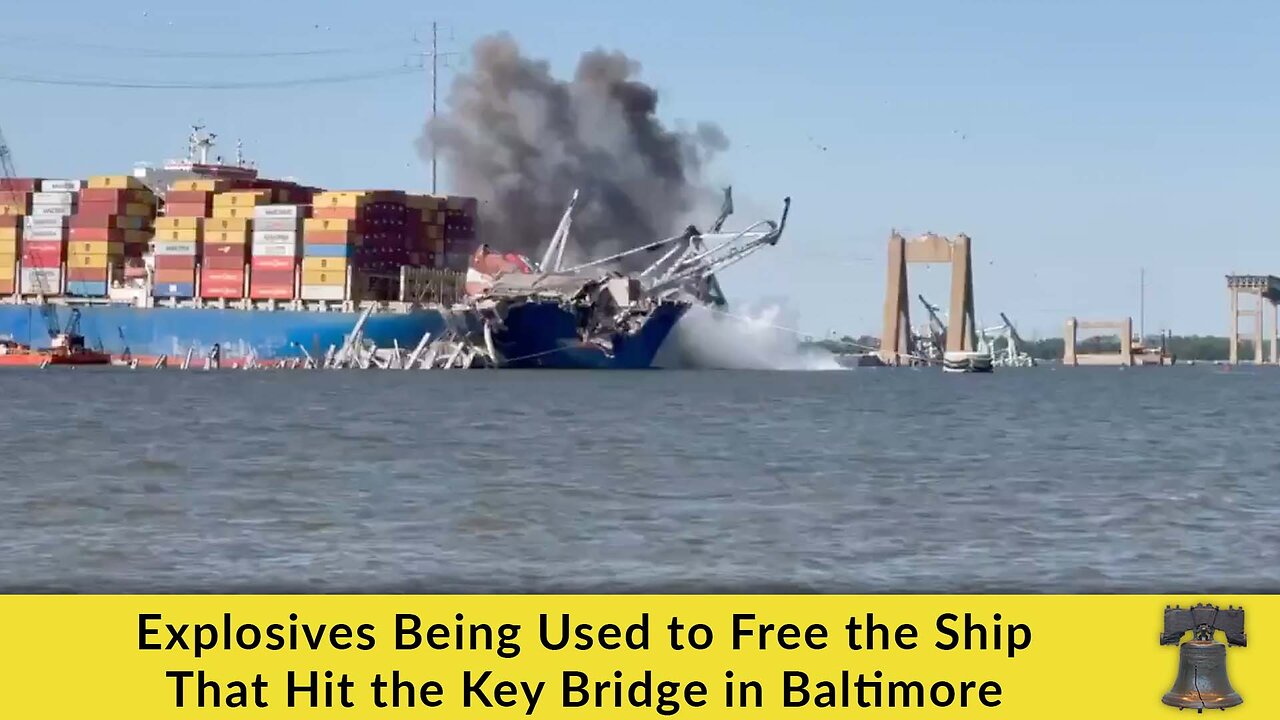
(198, 255)
(205, 258)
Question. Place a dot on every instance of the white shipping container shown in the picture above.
(43, 221)
(46, 210)
(324, 292)
(47, 281)
(52, 198)
(276, 225)
(275, 249)
(275, 237)
(60, 186)
(45, 233)
(175, 248)
(263, 212)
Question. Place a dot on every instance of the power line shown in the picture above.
(15, 40)
(149, 85)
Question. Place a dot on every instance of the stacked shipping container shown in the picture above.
(227, 243)
(114, 223)
(15, 204)
(426, 223)
(461, 218)
(355, 234)
(10, 237)
(277, 230)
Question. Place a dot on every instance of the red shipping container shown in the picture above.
(42, 253)
(222, 263)
(273, 277)
(236, 250)
(330, 237)
(272, 263)
(96, 234)
(222, 277)
(24, 185)
(87, 274)
(105, 195)
(175, 262)
(188, 209)
(210, 291)
(9, 221)
(261, 291)
(181, 197)
(6, 287)
(103, 208)
(175, 276)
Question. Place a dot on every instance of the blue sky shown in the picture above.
(1075, 142)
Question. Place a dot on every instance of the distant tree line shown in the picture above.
(1183, 347)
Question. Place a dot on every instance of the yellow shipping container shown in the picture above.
(177, 223)
(13, 209)
(328, 225)
(184, 235)
(324, 277)
(226, 212)
(236, 238)
(242, 198)
(7, 272)
(9, 233)
(91, 261)
(330, 264)
(206, 185)
(115, 182)
(341, 199)
(231, 224)
(94, 247)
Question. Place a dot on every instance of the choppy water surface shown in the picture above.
(869, 480)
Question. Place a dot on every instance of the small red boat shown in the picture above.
(66, 349)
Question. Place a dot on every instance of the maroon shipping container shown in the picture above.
(103, 208)
(180, 197)
(236, 250)
(24, 185)
(87, 274)
(175, 262)
(91, 195)
(188, 209)
(272, 277)
(214, 262)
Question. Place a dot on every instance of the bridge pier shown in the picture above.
(1266, 291)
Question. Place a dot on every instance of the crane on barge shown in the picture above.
(66, 344)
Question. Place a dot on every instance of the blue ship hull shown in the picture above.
(271, 335)
(545, 335)
(537, 335)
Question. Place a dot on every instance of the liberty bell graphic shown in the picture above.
(1202, 661)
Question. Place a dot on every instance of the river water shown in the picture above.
(871, 480)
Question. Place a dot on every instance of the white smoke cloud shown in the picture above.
(750, 339)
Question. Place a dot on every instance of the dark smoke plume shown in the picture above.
(521, 141)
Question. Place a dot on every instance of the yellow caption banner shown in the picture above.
(619, 656)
